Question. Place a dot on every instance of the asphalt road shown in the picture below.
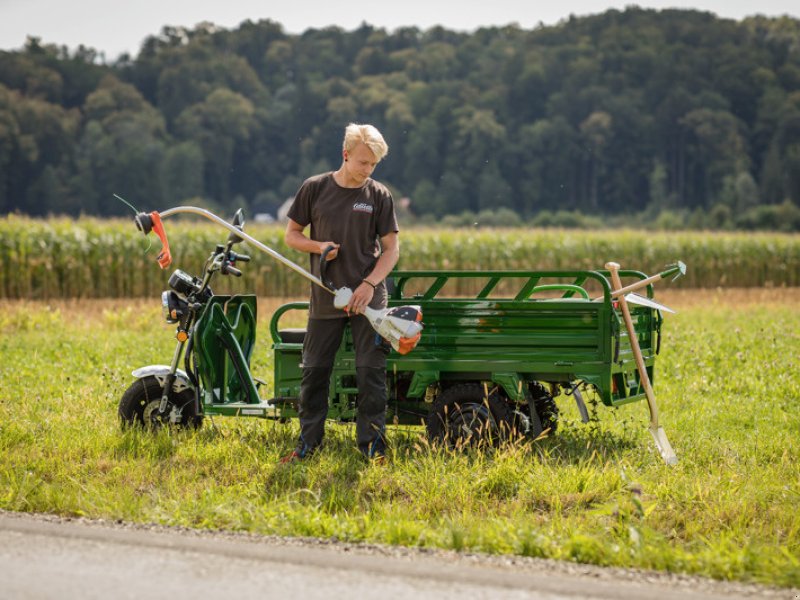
(47, 557)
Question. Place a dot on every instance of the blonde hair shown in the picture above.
(367, 134)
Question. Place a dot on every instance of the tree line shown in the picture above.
(670, 114)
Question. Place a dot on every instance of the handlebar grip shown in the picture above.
(228, 269)
(234, 256)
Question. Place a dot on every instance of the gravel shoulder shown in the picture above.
(44, 556)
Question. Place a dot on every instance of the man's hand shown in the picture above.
(362, 296)
(296, 239)
(332, 254)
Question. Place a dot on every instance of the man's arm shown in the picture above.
(295, 238)
(390, 254)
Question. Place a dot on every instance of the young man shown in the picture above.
(353, 213)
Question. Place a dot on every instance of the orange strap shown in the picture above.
(165, 257)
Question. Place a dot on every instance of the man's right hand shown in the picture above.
(297, 240)
(333, 253)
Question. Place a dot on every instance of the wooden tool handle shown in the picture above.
(634, 341)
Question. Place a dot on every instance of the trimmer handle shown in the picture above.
(323, 268)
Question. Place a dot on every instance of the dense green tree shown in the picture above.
(9, 144)
(34, 134)
(216, 125)
(196, 71)
(182, 172)
(120, 151)
(716, 148)
(551, 154)
(675, 113)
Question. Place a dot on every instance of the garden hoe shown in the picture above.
(621, 294)
(401, 326)
(677, 269)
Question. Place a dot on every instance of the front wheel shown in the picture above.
(140, 403)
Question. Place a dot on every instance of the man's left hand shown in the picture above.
(362, 296)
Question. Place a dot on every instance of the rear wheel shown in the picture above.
(140, 403)
(464, 415)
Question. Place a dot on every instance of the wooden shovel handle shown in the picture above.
(616, 284)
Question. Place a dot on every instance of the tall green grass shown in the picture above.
(60, 258)
(727, 383)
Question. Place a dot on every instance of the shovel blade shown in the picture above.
(642, 301)
(663, 445)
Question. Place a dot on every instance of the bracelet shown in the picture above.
(369, 283)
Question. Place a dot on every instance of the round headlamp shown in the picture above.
(172, 307)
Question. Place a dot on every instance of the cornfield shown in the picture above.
(91, 258)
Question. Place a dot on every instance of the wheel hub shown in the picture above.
(471, 422)
(153, 418)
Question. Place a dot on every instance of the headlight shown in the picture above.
(172, 307)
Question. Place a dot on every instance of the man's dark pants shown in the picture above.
(322, 340)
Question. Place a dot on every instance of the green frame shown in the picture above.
(480, 332)
(507, 341)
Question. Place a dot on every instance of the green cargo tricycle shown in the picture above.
(497, 347)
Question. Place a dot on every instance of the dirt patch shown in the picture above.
(678, 299)
(82, 308)
(731, 297)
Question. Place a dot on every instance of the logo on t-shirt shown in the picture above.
(362, 207)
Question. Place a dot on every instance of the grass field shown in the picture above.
(728, 384)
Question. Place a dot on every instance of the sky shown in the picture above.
(115, 27)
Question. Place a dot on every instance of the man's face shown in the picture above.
(361, 162)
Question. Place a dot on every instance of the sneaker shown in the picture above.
(291, 458)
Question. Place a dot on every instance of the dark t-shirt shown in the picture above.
(355, 218)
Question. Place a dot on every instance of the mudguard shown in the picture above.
(160, 372)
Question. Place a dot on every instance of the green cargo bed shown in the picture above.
(496, 328)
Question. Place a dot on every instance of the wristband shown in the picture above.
(370, 284)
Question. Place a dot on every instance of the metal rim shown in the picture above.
(469, 423)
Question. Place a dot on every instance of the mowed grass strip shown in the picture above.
(727, 382)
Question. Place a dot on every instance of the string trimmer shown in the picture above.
(401, 326)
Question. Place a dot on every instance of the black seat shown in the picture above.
(292, 336)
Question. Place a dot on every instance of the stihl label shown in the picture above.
(362, 207)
